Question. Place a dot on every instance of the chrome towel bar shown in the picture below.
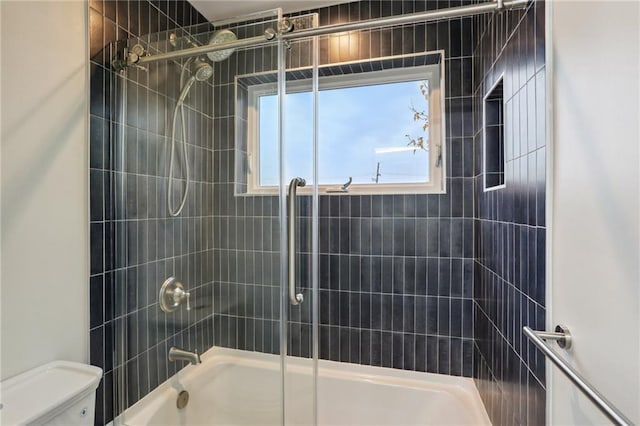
(563, 337)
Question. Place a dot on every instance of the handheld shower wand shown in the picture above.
(201, 71)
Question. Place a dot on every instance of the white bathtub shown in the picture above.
(233, 387)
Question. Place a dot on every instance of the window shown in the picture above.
(379, 132)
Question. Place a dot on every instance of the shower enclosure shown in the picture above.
(246, 232)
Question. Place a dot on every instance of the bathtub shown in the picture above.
(233, 387)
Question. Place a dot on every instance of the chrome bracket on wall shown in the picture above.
(285, 26)
(561, 335)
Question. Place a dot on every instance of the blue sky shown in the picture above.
(353, 122)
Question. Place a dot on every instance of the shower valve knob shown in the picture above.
(172, 294)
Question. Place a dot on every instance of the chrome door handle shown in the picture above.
(294, 298)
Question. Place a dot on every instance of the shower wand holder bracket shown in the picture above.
(172, 294)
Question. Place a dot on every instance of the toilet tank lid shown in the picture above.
(49, 388)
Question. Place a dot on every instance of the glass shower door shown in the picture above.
(228, 245)
(243, 249)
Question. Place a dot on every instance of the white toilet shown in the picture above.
(58, 393)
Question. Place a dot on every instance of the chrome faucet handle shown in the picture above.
(179, 294)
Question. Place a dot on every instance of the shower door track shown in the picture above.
(269, 37)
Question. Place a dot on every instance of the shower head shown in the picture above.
(221, 36)
(201, 70)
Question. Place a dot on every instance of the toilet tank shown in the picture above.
(58, 393)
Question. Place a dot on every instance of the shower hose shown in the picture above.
(179, 106)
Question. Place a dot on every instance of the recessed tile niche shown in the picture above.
(493, 119)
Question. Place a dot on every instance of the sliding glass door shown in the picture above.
(297, 89)
(211, 249)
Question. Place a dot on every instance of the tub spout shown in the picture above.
(177, 354)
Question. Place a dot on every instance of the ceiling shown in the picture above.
(215, 10)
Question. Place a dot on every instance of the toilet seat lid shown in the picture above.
(45, 390)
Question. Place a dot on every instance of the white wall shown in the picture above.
(595, 286)
(44, 167)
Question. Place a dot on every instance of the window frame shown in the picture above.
(437, 130)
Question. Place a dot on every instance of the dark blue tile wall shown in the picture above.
(134, 245)
(509, 254)
(396, 271)
(246, 237)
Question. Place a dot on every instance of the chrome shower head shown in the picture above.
(221, 36)
(201, 70)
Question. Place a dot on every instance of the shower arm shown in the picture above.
(271, 36)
